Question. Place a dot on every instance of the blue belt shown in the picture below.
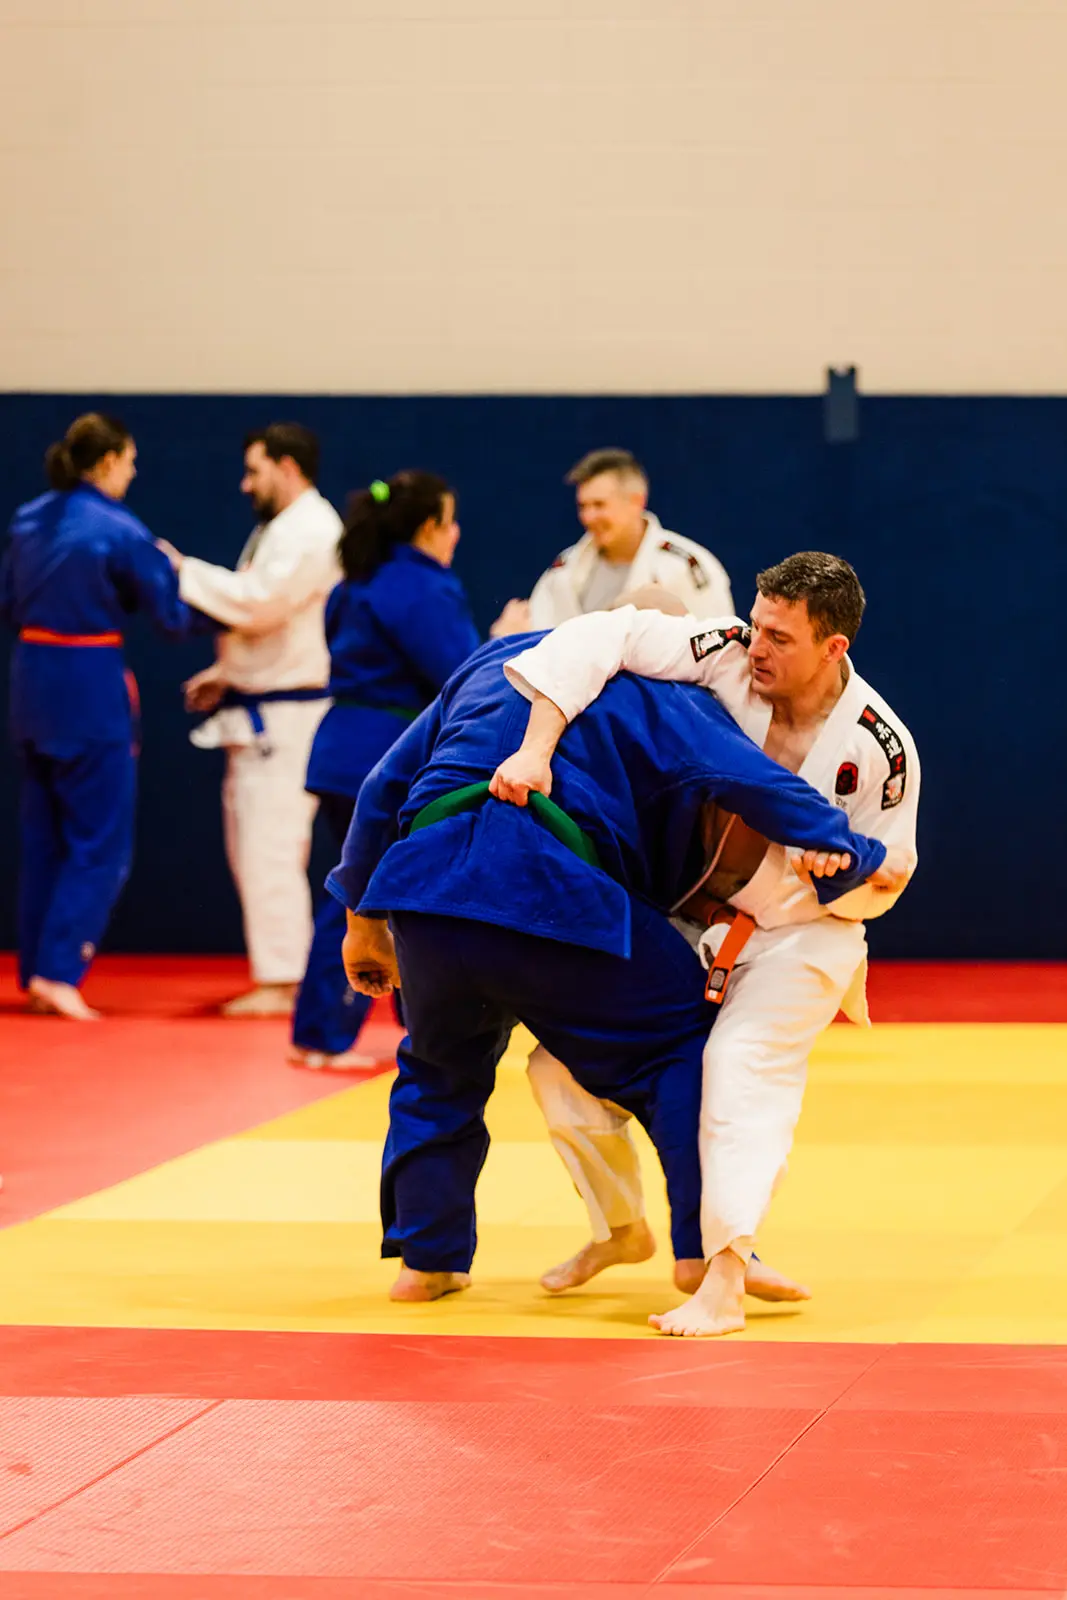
(241, 700)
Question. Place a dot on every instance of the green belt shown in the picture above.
(364, 705)
(564, 828)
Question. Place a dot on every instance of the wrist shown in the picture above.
(539, 749)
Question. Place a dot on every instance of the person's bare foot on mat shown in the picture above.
(60, 1000)
(265, 1000)
(761, 1281)
(629, 1244)
(717, 1307)
(323, 1061)
(412, 1285)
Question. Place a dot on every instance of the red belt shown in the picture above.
(98, 641)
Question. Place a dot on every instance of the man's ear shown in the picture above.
(836, 647)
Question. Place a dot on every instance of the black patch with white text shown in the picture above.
(894, 787)
(848, 778)
(696, 571)
(706, 644)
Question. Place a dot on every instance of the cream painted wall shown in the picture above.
(532, 195)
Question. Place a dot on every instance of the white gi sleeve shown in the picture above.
(878, 813)
(267, 594)
(571, 665)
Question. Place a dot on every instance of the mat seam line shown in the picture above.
(664, 1574)
(101, 1477)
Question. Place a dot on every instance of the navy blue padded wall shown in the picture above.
(954, 511)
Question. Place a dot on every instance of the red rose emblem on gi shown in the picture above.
(848, 778)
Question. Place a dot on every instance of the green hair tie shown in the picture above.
(380, 491)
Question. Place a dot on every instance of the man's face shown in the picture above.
(785, 656)
(611, 509)
(261, 481)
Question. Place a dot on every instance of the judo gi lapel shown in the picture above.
(645, 562)
(820, 763)
(571, 578)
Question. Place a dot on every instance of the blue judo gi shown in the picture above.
(394, 640)
(76, 566)
(496, 919)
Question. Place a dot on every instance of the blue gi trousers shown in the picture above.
(630, 1031)
(328, 1014)
(76, 825)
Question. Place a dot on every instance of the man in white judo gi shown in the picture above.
(624, 547)
(267, 692)
(779, 964)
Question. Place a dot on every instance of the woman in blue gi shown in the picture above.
(397, 626)
(77, 565)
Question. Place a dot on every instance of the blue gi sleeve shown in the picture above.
(146, 582)
(7, 588)
(376, 822)
(332, 612)
(787, 810)
(434, 631)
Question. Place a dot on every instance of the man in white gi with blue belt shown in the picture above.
(267, 690)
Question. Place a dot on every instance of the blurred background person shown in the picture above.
(76, 567)
(397, 626)
(624, 547)
(267, 690)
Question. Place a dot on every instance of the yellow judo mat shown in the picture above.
(926, 1200)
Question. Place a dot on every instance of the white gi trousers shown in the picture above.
(267, 820)
(786, 987)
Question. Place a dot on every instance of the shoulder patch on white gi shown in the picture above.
(696, 571)
(848, 778)
(893, 749)
(706, 644)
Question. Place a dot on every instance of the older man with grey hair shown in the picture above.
(624, 548)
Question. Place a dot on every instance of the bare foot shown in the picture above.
(322, 1061)
(60, 1000)
(763, 1283)
(630, 1243)
(689, 1274)
(717, 1307)
(266, 1000)
(413, 1285)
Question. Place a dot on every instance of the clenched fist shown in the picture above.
(369, 956)
(521, 775)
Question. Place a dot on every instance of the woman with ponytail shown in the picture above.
(397, 626)
(76, 566)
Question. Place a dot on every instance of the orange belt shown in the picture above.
(740, 931)
(71, 640)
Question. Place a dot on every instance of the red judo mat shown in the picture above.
(292, 1464)
(278, 1466)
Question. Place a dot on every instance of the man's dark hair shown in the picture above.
(289, 439)
(609, 460)
(827, 585)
